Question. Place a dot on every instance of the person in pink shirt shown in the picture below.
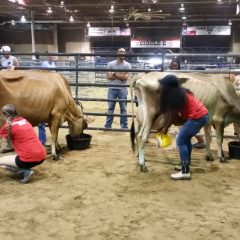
(29, 150)
(176, 99)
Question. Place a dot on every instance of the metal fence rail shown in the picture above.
(75, 69)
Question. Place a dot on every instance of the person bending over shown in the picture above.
(29, 150)
(176, 99)
(175, 65)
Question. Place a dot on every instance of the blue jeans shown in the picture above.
(189, 129)
(117, 94)
(42, 133)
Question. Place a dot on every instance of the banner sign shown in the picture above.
(144, 43)
(108, 31)
(207, 30)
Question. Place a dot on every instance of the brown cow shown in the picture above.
(217, 94)
(42, 96)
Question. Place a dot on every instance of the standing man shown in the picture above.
(49, 63)
(8, 60)
(118, 92)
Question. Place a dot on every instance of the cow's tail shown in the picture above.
(133, 135)
(132, 130)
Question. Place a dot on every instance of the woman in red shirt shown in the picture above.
(30, 152)
(176, 99)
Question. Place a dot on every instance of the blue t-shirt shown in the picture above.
(48, 64)
(121, 66)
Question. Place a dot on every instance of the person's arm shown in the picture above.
(123, 76)
(111, 76)
(15, 62)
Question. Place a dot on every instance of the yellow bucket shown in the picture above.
(164, 140)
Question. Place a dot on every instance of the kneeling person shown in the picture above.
(30, 152)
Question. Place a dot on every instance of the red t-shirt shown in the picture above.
(194, 109)
(25, 141)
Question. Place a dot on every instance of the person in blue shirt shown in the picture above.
(49, 63)
(118, 92)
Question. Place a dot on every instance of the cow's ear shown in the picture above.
(182, 80)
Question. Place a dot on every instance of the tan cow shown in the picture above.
(217, 94)
(42, 96)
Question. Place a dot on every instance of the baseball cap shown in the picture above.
(121, 50)
(6, 49)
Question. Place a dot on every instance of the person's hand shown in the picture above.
(11, 68)
(162, 130)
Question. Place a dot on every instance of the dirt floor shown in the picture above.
(100, 194)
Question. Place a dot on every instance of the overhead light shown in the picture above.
(149, 1)
(111, 10)
(18, 1)
(230, 22)
(237, 8)
(127, 24)
(62, 4)
(219, 1)
(184, 17)
(71, 19)
(13, 22)
(149, 9)
(182, 8)
(49, 10)
(88, 25)
(23, 19)
(125, 18)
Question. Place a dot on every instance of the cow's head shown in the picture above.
(236, 85)
(79, 123)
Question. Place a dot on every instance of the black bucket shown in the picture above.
(78, 143)
(234, 149)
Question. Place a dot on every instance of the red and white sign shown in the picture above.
(207, 30)
(144, 43)
(108, 31)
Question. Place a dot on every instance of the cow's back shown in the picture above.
(34, 91)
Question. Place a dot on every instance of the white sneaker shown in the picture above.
(181, 176)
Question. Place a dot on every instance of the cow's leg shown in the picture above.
(141, 140)
(54, 127)
(208, 138)
(141, 161)
(219, 125)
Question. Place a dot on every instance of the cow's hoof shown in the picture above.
(55, 157)
(209, 159)
(143, 168)
(223, 160)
